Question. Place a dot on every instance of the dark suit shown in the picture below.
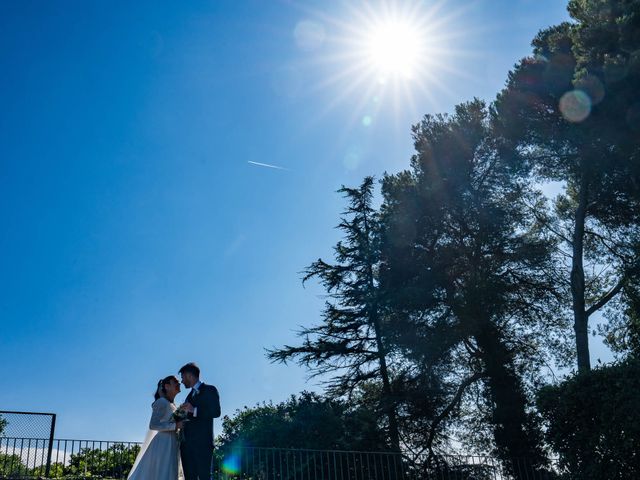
(197, 448)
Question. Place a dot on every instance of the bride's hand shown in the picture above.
(178, 425)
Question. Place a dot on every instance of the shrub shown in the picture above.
(593, 422)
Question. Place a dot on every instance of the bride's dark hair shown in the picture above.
(161, 390)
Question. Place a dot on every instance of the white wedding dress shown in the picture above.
(159, 457)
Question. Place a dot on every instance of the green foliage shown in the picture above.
(3, 425)
(446, 304)
(622, 330)
(112, 462)
(291, 439)
(306, 421)
(344, 343)
(467, 268)
(350, 342)
(594, 422)
(11, 465)
(571, 113)
(56, 470)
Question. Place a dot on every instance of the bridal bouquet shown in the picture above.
(180, 416)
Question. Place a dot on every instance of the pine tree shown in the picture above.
(350, 342)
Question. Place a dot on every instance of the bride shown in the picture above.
(159, 457)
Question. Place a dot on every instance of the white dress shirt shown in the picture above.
(194, 391)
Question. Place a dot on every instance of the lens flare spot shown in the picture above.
(231, 465)
(352, 158)
(575, 106)
(367, 120)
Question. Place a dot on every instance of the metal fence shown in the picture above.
(35, 433)
(303, 464)
(82, 459)
(28, 450)
(22, 458)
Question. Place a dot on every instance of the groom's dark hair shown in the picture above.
(191, 368)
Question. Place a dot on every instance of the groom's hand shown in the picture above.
(187, 407)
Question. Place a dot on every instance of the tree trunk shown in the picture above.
(580, 317)
(388, 403)
(517, 440)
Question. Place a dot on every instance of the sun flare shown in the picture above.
(394, 48)
(381, 54)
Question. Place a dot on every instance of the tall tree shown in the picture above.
(463, 259)
(350, 341)
(563, 118)
(606, 44)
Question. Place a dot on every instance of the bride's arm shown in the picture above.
(160, 412)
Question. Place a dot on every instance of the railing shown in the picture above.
(279, 463)
(298, 464)
(34, 428)
(22, 458)
(30, 458)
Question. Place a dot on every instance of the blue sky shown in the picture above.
(136, 236)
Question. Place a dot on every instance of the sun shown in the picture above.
(386, 56)
(394, 48)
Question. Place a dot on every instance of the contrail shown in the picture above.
(267, 165)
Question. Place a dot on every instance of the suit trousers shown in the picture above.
(196, 463)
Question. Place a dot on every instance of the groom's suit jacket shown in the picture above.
(198, 431)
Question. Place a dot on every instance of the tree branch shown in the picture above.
(454, 402)
(604, 300)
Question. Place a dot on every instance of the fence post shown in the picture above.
(50, 450)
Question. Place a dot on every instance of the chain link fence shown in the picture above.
(26, 444)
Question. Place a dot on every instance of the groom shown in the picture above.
(203, 405)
